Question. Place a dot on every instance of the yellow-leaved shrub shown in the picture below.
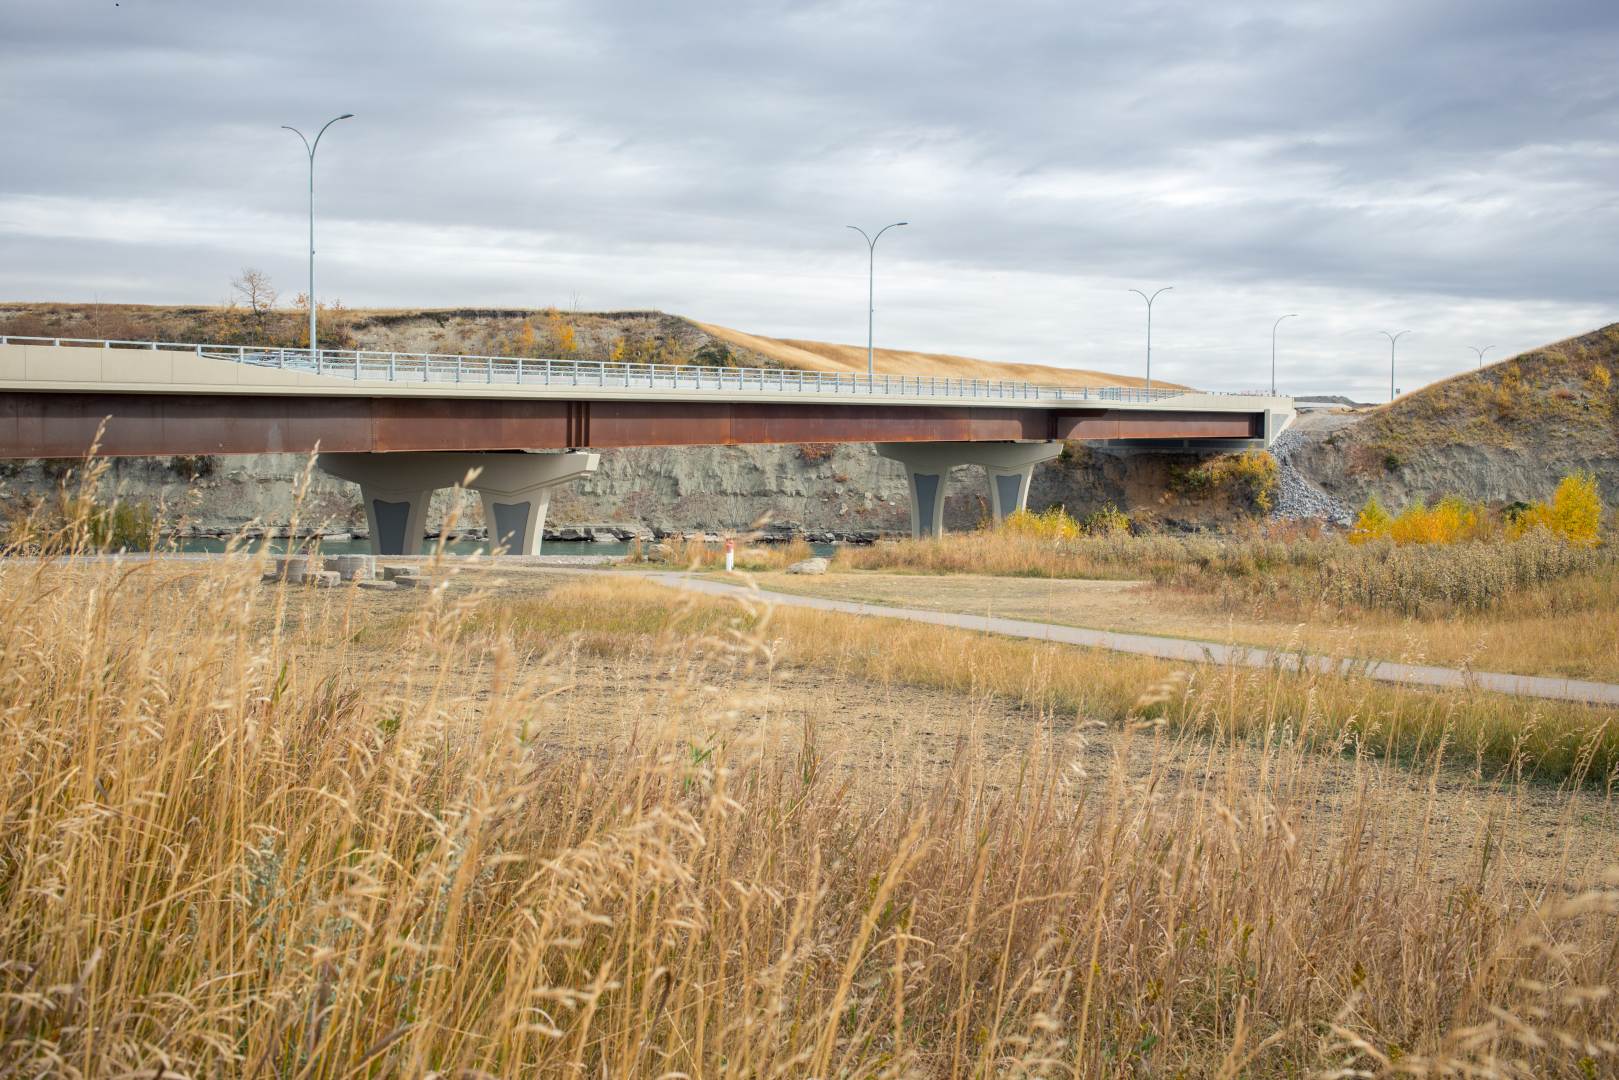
(1573, 513)
(1373, 523)
(1052, 523)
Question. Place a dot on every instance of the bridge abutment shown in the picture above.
(515, 490)
(1009, 466)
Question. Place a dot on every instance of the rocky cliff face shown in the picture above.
(844, 489)
(1491, 474)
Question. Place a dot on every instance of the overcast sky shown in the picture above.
(1444, 167)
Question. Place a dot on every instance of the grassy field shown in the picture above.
(578, 825)
(1529, 637)
(1537, 606)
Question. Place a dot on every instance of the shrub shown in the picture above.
(1108, 521)
(1053, 523)
(1574, 512)
(1374, 523)
(816, 452)
(1252, 476)
(1449, 520)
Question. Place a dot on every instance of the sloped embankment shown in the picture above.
(1506, 433)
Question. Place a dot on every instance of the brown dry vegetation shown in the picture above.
(823, 356)
(1565, 392)
(1532, 633)
(1536, 606)
(333, 834)
(632, 336)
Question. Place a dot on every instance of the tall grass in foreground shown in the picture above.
(238, 839)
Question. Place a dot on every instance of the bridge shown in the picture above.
(403, 424)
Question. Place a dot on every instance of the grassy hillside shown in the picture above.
(1503, 433)
(1565, 391)
(634, 336)
(823, 356)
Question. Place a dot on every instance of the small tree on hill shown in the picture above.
(253, 286)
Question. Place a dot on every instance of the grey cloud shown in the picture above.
(1382, 156)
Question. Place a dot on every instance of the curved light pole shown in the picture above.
(311, 147)
(1273, 327)
(871, 289)
(1481, 352)
(1392, 339)
(1149, 300)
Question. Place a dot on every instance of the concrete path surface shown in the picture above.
(1197, 652)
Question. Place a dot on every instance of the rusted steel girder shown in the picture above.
(64, 424)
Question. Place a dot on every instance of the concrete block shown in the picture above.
(380, 586)
(291, 568)
(354, 567)
(410, 581)
(391, 572)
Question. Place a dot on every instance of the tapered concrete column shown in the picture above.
(515, 489)
(397, 518)
(1009, 465)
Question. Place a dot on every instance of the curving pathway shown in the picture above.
(1197, 652)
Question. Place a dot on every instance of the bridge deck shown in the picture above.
(195, 399)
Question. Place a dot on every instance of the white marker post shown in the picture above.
(730, 555)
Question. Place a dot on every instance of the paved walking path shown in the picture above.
(1169, 648)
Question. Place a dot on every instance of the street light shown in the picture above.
(871, 289)
(1392, 339)
(1481, 352)
(1149, 300)
(311, 147)
(1273, 327)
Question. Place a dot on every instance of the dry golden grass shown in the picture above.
(823, 356)
(1496, 734)
(1534, 633)
(235, 846)
(1534, 606)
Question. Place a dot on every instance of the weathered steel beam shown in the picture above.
(64, 424)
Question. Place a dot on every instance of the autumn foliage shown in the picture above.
(1573, 513)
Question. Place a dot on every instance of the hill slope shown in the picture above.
(635, 336)
(823, 356)
(1506, 433)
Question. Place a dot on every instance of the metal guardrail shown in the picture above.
(398, 367)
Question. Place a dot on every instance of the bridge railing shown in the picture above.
(372, 365)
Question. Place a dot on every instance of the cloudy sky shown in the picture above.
(1443, 166)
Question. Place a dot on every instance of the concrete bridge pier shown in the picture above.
(515, 489)
(1009, 465)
